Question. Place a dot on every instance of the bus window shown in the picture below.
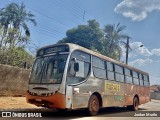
(146, 83)
(146, 80)
(118, 69)
(81, 71)
(127, 71)
(81, 56)
(110, 71)
(119, 73)
(110, 66)
(53, 69)
(128, 76)
(97, 62)
(145, 77)
(36, 70)
(83, 59)
(99, 68)
(141, 79)
(135, 78)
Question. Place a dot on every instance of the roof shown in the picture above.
(77, 47)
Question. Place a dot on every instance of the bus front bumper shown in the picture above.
(53, 101)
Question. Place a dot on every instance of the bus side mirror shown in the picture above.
(76, 67)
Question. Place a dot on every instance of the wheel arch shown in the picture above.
(136, 96)
(99, 98)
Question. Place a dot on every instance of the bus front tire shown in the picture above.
(93, 105)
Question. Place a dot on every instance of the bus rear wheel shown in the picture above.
(135, 105)
(93, 106)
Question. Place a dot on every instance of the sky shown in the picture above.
(141, 18)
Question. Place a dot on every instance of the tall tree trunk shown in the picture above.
(3, 36)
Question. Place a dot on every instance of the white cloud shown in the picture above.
(156, 52)
(137, 50)
(141, 62)
(135, 46)
(147, 56)
(137, 10)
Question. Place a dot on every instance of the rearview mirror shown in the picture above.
(76, 67)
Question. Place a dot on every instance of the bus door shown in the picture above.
(69, 96)
(77, 74)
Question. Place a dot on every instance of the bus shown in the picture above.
(68, 76)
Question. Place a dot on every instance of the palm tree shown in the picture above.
(16, 17)
(22, 17)
(114, 36)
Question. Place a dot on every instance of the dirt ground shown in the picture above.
(14, 103)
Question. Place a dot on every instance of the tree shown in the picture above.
(15, 17)
(13, 25)
(22, 17)
(106, 42)
(16, 57)
(114, 36)
(88, 36)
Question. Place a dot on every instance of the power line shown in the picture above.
(77, 12)
(46, 32)
(51, 18)
(80, 9)
(60, 13)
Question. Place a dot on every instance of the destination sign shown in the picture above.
(53, 49)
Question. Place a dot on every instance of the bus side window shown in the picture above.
(99, 68)
(110, 71)
(146, 80)
(135, 78)
(119, 74)
(141, 79)
(83, 59)
(128, 75)
(71, 71)
(81, 71)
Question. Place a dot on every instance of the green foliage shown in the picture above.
(91, 36)
(13, 20)
(88, 36)
(16, 57)
(114, 36)
(14, 35)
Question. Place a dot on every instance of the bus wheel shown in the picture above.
(135, 105)
(93, 106)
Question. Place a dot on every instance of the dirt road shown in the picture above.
(19, 105)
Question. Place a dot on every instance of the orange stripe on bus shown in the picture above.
(58, 100)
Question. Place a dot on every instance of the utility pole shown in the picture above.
(127, 47)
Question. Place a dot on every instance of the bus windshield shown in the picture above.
(49, 69)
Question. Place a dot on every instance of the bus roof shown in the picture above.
(77, 47)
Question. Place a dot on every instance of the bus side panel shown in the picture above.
(81, 96)
(114, 94)
(147, 89)
(108, 98)
(82, 92)
(129, 94)
(141, 94)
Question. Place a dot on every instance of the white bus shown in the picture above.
(68, 76)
